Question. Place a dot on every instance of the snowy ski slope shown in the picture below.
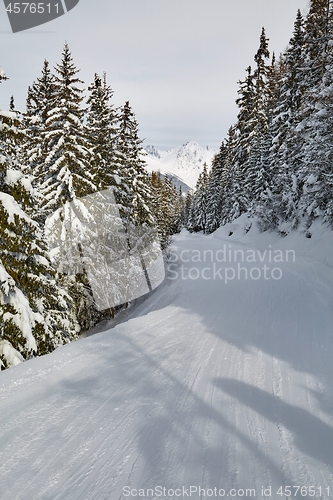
(205, 384)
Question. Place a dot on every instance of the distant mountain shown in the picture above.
(176, 181)
(184, 163)
(152, 151)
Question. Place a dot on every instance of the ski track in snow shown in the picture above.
(204, 384)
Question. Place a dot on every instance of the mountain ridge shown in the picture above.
(184, 162)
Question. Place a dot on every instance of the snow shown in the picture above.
(203, 383)
(13, 176)
(12, 208)
(117, 179)
(8, 114)
(20, 315)
(12, 356)
(311, 179)
(185, 162)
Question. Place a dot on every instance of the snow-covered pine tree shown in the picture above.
(249, 140)
(316, 39)
(134, 194)
(197, 220)
(325, 199)
(166, 207)
(251, 145)
(256, 166)
(261, 75)
(187, 207)
(245, 120)
(160, 208)
(176, 204)
(315, 173)
(101, 133)
(215, 190)
(233, 202)
(12, 140)
(315, 159)
(40, 101)
(181, 210)
(287, 142)
(67, 178)
(292, 85)
(279, 154)
(36, 315)
(67, 172)
(265, 192)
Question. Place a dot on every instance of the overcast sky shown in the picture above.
(176, 61)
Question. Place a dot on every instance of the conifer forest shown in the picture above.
(71, 142)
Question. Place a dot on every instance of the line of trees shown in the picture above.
(58, 152)
(276, 162)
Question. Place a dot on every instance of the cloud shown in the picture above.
(177, 61)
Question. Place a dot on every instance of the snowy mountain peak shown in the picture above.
(185, 162)
(192, 147)
(152, 151)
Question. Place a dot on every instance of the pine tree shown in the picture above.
(197, 220)
(187, 207)
(245, 119)
(259, 141)
(314, 173)
(181, 210)
(66, 179)
(176, 206)
(40, 102)
(250, 142)
(278, 156)
(134, 196)
(101, 133)
(287, 141)
(167, 206)
(316, 40)
(293, 86)
(289, 91)
(261, 75)
(36, 314)
(233, 203)
(67, 174)
(215, 190)
(160, 208)
(11, 141)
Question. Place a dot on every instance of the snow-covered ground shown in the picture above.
(185, 162)
(208, 383)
